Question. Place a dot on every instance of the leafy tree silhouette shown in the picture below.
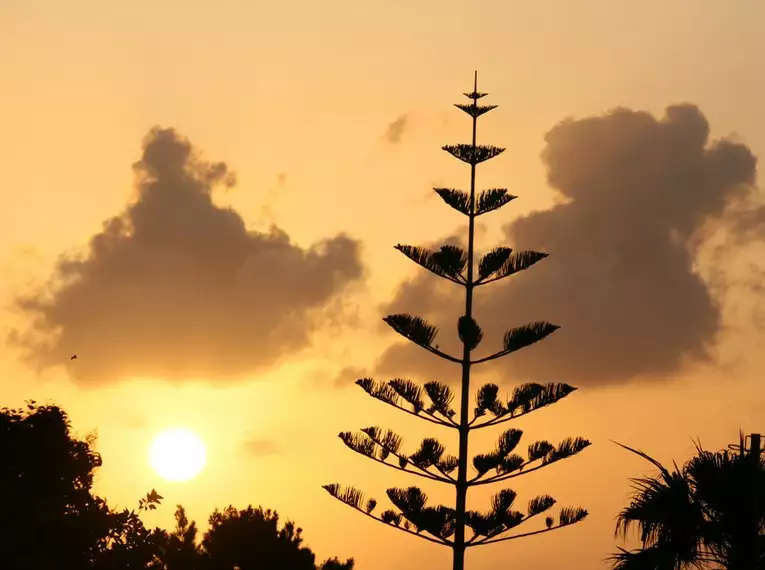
(49, 518)
(178, 550)
(250, 539)
(708, 514)
(446, 525)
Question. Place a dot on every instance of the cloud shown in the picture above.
(396, 130)
(640, 192)
(348, 376)
(260, 447)
(176, 286)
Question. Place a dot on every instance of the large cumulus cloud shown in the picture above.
(176, 286)
(639, 193)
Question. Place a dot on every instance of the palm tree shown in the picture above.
(708, 514)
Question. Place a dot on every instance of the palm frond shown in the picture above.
(448, 262)
(457, 199)
(475, 110)
(413, 328)
(492, 199)
(469, 332)
(473, 154)
(645, 456)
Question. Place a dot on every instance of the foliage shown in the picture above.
(50, 517)
(51, 520)
(433, 402)
(709, 514)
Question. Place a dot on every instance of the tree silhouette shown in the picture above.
(445, 525)
(251, 539)
(49, 517)
(709, 514)
(178, 550)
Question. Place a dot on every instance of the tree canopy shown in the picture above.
(50, 518)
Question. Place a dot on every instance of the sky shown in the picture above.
(200, 199)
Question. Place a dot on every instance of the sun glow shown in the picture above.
(177, 455)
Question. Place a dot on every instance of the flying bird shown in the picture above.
(74, 357)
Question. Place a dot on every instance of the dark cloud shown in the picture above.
(396, 129)
(176, 286)
(260, 447)
(640, 194)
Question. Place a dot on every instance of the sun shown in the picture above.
(177, 455)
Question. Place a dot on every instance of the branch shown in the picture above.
(532, 533)
(521, 337)
(385, 393)
(474, 542)
(570, 448)
(425, 473)
(492, 357)
(527, 398)
(443, 355)
(418, 331)
(448, 262)
(333, 490)
(503, 262)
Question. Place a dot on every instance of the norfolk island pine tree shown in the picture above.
(441, 524)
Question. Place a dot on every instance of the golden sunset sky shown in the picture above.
(248, 326)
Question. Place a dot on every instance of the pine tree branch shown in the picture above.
(386, 397)
(425, 473)
(406, 530)
(474, 542)
(525, 534)
(526, 398)
(494, 356)
(443, 355)
(475, 481)
(504, 418)
(521, 337)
